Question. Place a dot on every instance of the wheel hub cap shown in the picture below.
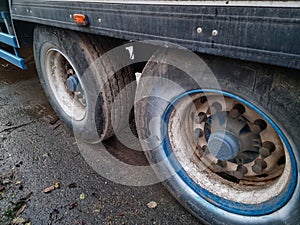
(72, 83)
(223, 145)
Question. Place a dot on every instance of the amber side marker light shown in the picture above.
(81, 19)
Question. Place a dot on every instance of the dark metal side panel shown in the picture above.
(262, 34)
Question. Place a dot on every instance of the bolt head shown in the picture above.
(259, 166)
(214, 33)
(264, 152)
(234, 113)
(199, 30)
(198, 133)
(201, 151)
(202, 117)
(255, 129)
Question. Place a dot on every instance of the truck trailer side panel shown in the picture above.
(265, 32)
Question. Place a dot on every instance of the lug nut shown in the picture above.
(234, 113)
(202, 117)
(259, 166)
(202, 150)
(198, 133)
(214, 108)
(258, 126)
(240, 172)
(220, 166)
(267, 149)
(269, 145)
(203, 99)
(237, 110)
(264, 152)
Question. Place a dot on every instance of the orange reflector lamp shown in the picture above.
(81, 19)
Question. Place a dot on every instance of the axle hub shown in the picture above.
(223, 145)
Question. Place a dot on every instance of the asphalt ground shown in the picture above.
(37, 151)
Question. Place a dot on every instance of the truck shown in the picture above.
(211, 87)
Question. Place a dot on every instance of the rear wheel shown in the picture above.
(80, 88)
(228, 153)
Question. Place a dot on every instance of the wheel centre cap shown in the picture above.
(223, 145)
(72, 83)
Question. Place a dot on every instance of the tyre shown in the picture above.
(80, 89)
(223, 135)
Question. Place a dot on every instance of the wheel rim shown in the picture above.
(256, 177)
(65, 84)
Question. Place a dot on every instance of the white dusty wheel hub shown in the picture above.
(228, 148)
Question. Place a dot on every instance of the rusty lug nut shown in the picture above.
(234, 113)
(237, 110)
(220, 166)
(201, 151)
(267, 149)
(215, 107)
(269, 145)
(198, 133)
(240, 172)
(255, 129)
(240, 108)
(259, 125)
(259, 166)
(202, 117)
(264, 152)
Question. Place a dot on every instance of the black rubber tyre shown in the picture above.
(81, 52)
(276, 91)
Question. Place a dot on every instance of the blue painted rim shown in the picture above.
(264, 208)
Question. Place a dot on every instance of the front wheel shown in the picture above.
(227, 152)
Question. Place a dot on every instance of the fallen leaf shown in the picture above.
(73, 205)
(6, 181)
(19, 220)
(21, 209)
(49, 189)
(152, 205)
(57, 185)
(97, 210)
(27, 196)
(2, 188)
(73, 185)
(82, 196)
(45, 155)
(18, 182)
(53, 120)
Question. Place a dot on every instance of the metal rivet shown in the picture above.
(214, 33)
(99, 20)
(199, 30)
(71, 16)
(16, 9)
(27, 10)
